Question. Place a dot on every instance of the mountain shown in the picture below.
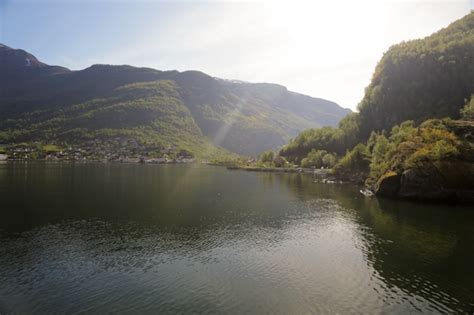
(115, 104)
(416, 80)
(420, 79)
(413, 135)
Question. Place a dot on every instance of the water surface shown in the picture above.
(131, 238)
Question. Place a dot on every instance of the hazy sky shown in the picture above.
(325, 49)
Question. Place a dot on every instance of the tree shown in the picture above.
(267, 157)
(314, 159)
(279, 161)
(468, 111)
(355, 163)
(329, 160)
(379, 161)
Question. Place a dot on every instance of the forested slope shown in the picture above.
(155, 108)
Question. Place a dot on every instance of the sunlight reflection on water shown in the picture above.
(114, 238)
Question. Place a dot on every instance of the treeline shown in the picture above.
(335, 140)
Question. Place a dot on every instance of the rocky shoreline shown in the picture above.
(445, 182)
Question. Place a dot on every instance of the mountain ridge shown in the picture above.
(244, 118)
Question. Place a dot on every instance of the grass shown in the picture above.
(51, 148)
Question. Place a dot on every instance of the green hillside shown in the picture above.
(415, 80)
(112, 105)
(397, 143)
(421, 79)
(150, 114)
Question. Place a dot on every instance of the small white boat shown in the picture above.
(367, 192)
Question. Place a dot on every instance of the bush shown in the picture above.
(379, 162)
(267, 157)
(354, 163)
(468, 111)
(314, 159)
(329, 160)
(280, 161)
(326, 138)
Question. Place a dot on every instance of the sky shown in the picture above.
(327, 49)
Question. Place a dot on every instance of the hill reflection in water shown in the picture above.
(114, 237)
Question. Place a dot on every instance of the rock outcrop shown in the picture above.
(388, 185)
(451, 181)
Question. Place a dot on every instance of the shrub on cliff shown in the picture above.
(468, 111)
(412, 147)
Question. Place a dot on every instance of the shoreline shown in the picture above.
(129, 161)
(320, 175)
(316, 171)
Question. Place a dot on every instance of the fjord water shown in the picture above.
(190, 238)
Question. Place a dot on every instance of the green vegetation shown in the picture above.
(267, 157)
(468, 111)
(280, 161)
(421, 79)
(401, 124)
(266, 161)
(435, 146)
(415, 80)
(146, 118)
(51, 148)
(413, 147)
(150, 110)
(318, 159)
(354, 165)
